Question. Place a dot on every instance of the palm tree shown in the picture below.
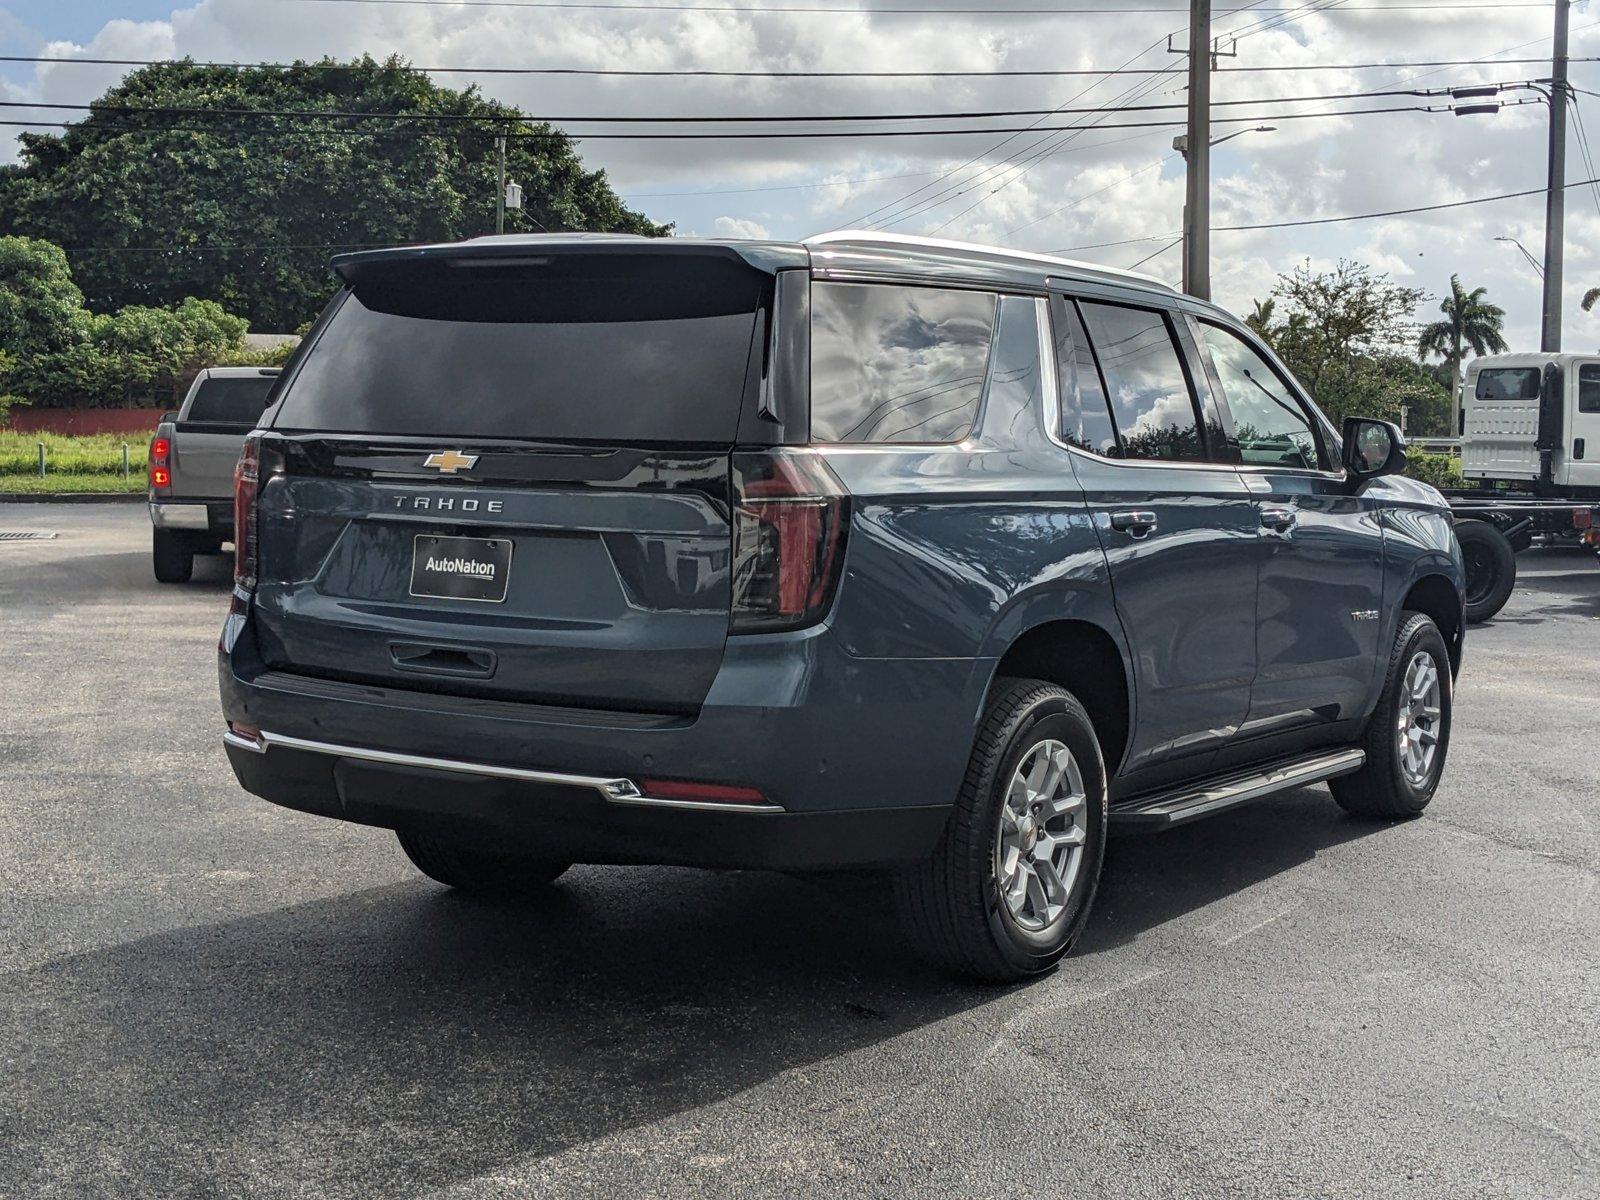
(1589, 299)
(1470, 320)
(1261, 319)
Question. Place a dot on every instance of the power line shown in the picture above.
(666, 73)
(899, 11)
(787, 187)
(694, 119)
(1170, 245)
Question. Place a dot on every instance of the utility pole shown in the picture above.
(1197, 202)
(500, 189)
(1555, 203)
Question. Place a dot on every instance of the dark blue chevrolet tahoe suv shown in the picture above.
(867, 552)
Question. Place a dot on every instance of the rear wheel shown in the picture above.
(1009, 887)
(1491, 568)
(1409, 734)
(171, 556)
(478, 871)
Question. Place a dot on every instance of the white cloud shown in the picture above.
(739, 227)
(1054, 190)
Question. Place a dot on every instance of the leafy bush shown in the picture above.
(1441, 470)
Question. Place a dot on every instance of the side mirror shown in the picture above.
(1372, 448)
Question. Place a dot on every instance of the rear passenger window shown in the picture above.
(1085, 420)
(1589, 388)
(897, 364)
(1145, 382)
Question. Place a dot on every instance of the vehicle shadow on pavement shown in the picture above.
(400, 1038)
(1151, 879)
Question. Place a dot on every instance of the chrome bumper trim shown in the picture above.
(617, 791)
(179, 516)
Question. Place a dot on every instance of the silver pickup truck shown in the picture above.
(192, 456)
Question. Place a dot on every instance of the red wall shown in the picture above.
(28, 419)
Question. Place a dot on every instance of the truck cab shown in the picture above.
(1533, 419)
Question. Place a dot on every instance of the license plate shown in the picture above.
(461, 568)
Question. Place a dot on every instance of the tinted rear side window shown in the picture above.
(897, 364)
(236, 401)
(1145, 382)
(630, 357)
(1085, 419)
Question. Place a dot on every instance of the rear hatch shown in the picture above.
(510, 478)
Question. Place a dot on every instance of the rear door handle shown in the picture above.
(1136, 524)
(1278, 519)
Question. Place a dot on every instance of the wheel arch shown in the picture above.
(1091, 663)
(1440, 598)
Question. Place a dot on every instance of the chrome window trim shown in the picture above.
(1052, 414)
(616, 791)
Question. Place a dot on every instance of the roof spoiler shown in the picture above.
(549, 250)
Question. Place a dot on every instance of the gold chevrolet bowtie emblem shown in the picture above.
(451, 461)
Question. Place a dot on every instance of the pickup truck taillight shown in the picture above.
(161, 464)
(246, 483)
(789, 517)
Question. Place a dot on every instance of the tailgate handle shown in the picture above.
(442, 660)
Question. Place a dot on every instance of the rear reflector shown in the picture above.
(701, 793)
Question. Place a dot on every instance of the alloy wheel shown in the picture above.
(1417, 726)
(1043, 827)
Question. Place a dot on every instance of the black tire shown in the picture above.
(172, 556)
(1491, 568)
(478, 871)
(951, 904)
(1382, 789)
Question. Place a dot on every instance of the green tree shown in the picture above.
(1335, 317)
(41, 309)
(247, 209)
(1469, 320)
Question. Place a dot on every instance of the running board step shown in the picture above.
(1166, 809)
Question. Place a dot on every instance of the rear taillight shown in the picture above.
(246, 485)
(789, 517)
(160, 464)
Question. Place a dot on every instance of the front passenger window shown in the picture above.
(1272, 428)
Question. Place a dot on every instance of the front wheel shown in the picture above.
(1009, 886)
(1409, 733)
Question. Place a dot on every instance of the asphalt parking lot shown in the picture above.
(203, 995)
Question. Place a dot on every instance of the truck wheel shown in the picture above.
(1009, 886)
(1491, 568)
(172, 556)
(1409, 732)
(478, 871)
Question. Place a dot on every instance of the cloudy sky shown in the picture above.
(1033, 191)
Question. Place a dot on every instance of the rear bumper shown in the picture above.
(574, 820)
(860, 759)
(195, 516)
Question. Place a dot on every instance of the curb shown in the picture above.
(72, 497)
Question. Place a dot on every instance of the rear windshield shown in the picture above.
(1508, 383)
(501, 353)
(231, 401)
